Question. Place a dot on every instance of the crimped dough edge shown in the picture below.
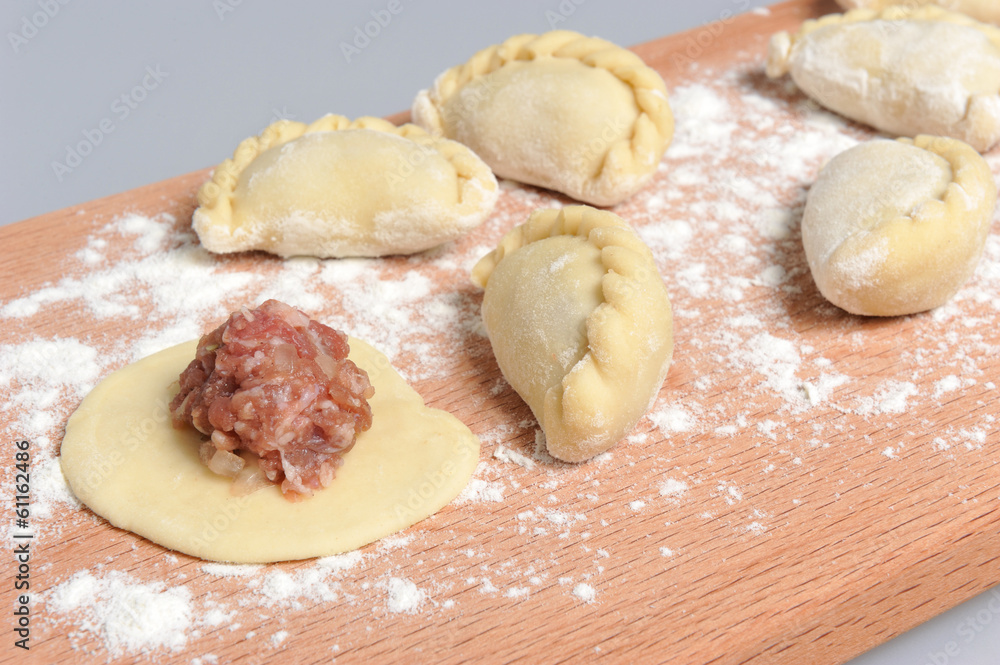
(782, 44)
(981, 10)
(629, 335)
(213, 219)
(969, 200)
(628, 163)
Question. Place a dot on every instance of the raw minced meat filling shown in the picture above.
(276, 384)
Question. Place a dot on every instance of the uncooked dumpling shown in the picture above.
(124, 460)
(981, 10)
(580, 324)
(897, 227)
(905, 71)
(576, 114)
(340, 188)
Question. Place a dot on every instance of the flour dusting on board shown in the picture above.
(756, 379)
(130, 617)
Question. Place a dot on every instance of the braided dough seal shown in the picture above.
(897, 227)
(341, 188)
(981, 10)
(580, 324)
(905, 71)
(576, 114)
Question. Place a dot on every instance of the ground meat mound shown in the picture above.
(275, 383)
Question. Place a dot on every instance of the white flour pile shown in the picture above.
(722, 221)
(127, 615)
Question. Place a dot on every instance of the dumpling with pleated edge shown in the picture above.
(894, 227)
(559, 110)
(339, 188)
(987, 11)
(903, 70)
(580, 324)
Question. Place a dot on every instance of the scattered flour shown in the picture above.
(404, 596)
(891, 398)
(513, 457)
(671, 420)
(129, 617)
(673, 488)
(585, 592)
(482, 490)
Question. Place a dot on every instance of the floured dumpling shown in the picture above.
(341, 188)
(559, 110)
(904, 71)
(981, 10)
(124, 460)
(897, 227)
(580, 325)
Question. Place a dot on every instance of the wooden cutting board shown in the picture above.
(808, 485)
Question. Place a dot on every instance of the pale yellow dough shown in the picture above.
(580, 324)
(981, 10)
(576, 114)
(124, 460)
(341, 188)
(905, 71)
(897, 227)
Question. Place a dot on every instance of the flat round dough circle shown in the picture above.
(123, 459)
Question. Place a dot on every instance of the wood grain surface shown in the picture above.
(736, 525)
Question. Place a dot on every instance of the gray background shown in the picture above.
(211, 72)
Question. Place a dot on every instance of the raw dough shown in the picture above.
(981, 10)
(580, 324)
(905, 71)
(125, 461)
(340, 188)
(897, 227)
(559, 110)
